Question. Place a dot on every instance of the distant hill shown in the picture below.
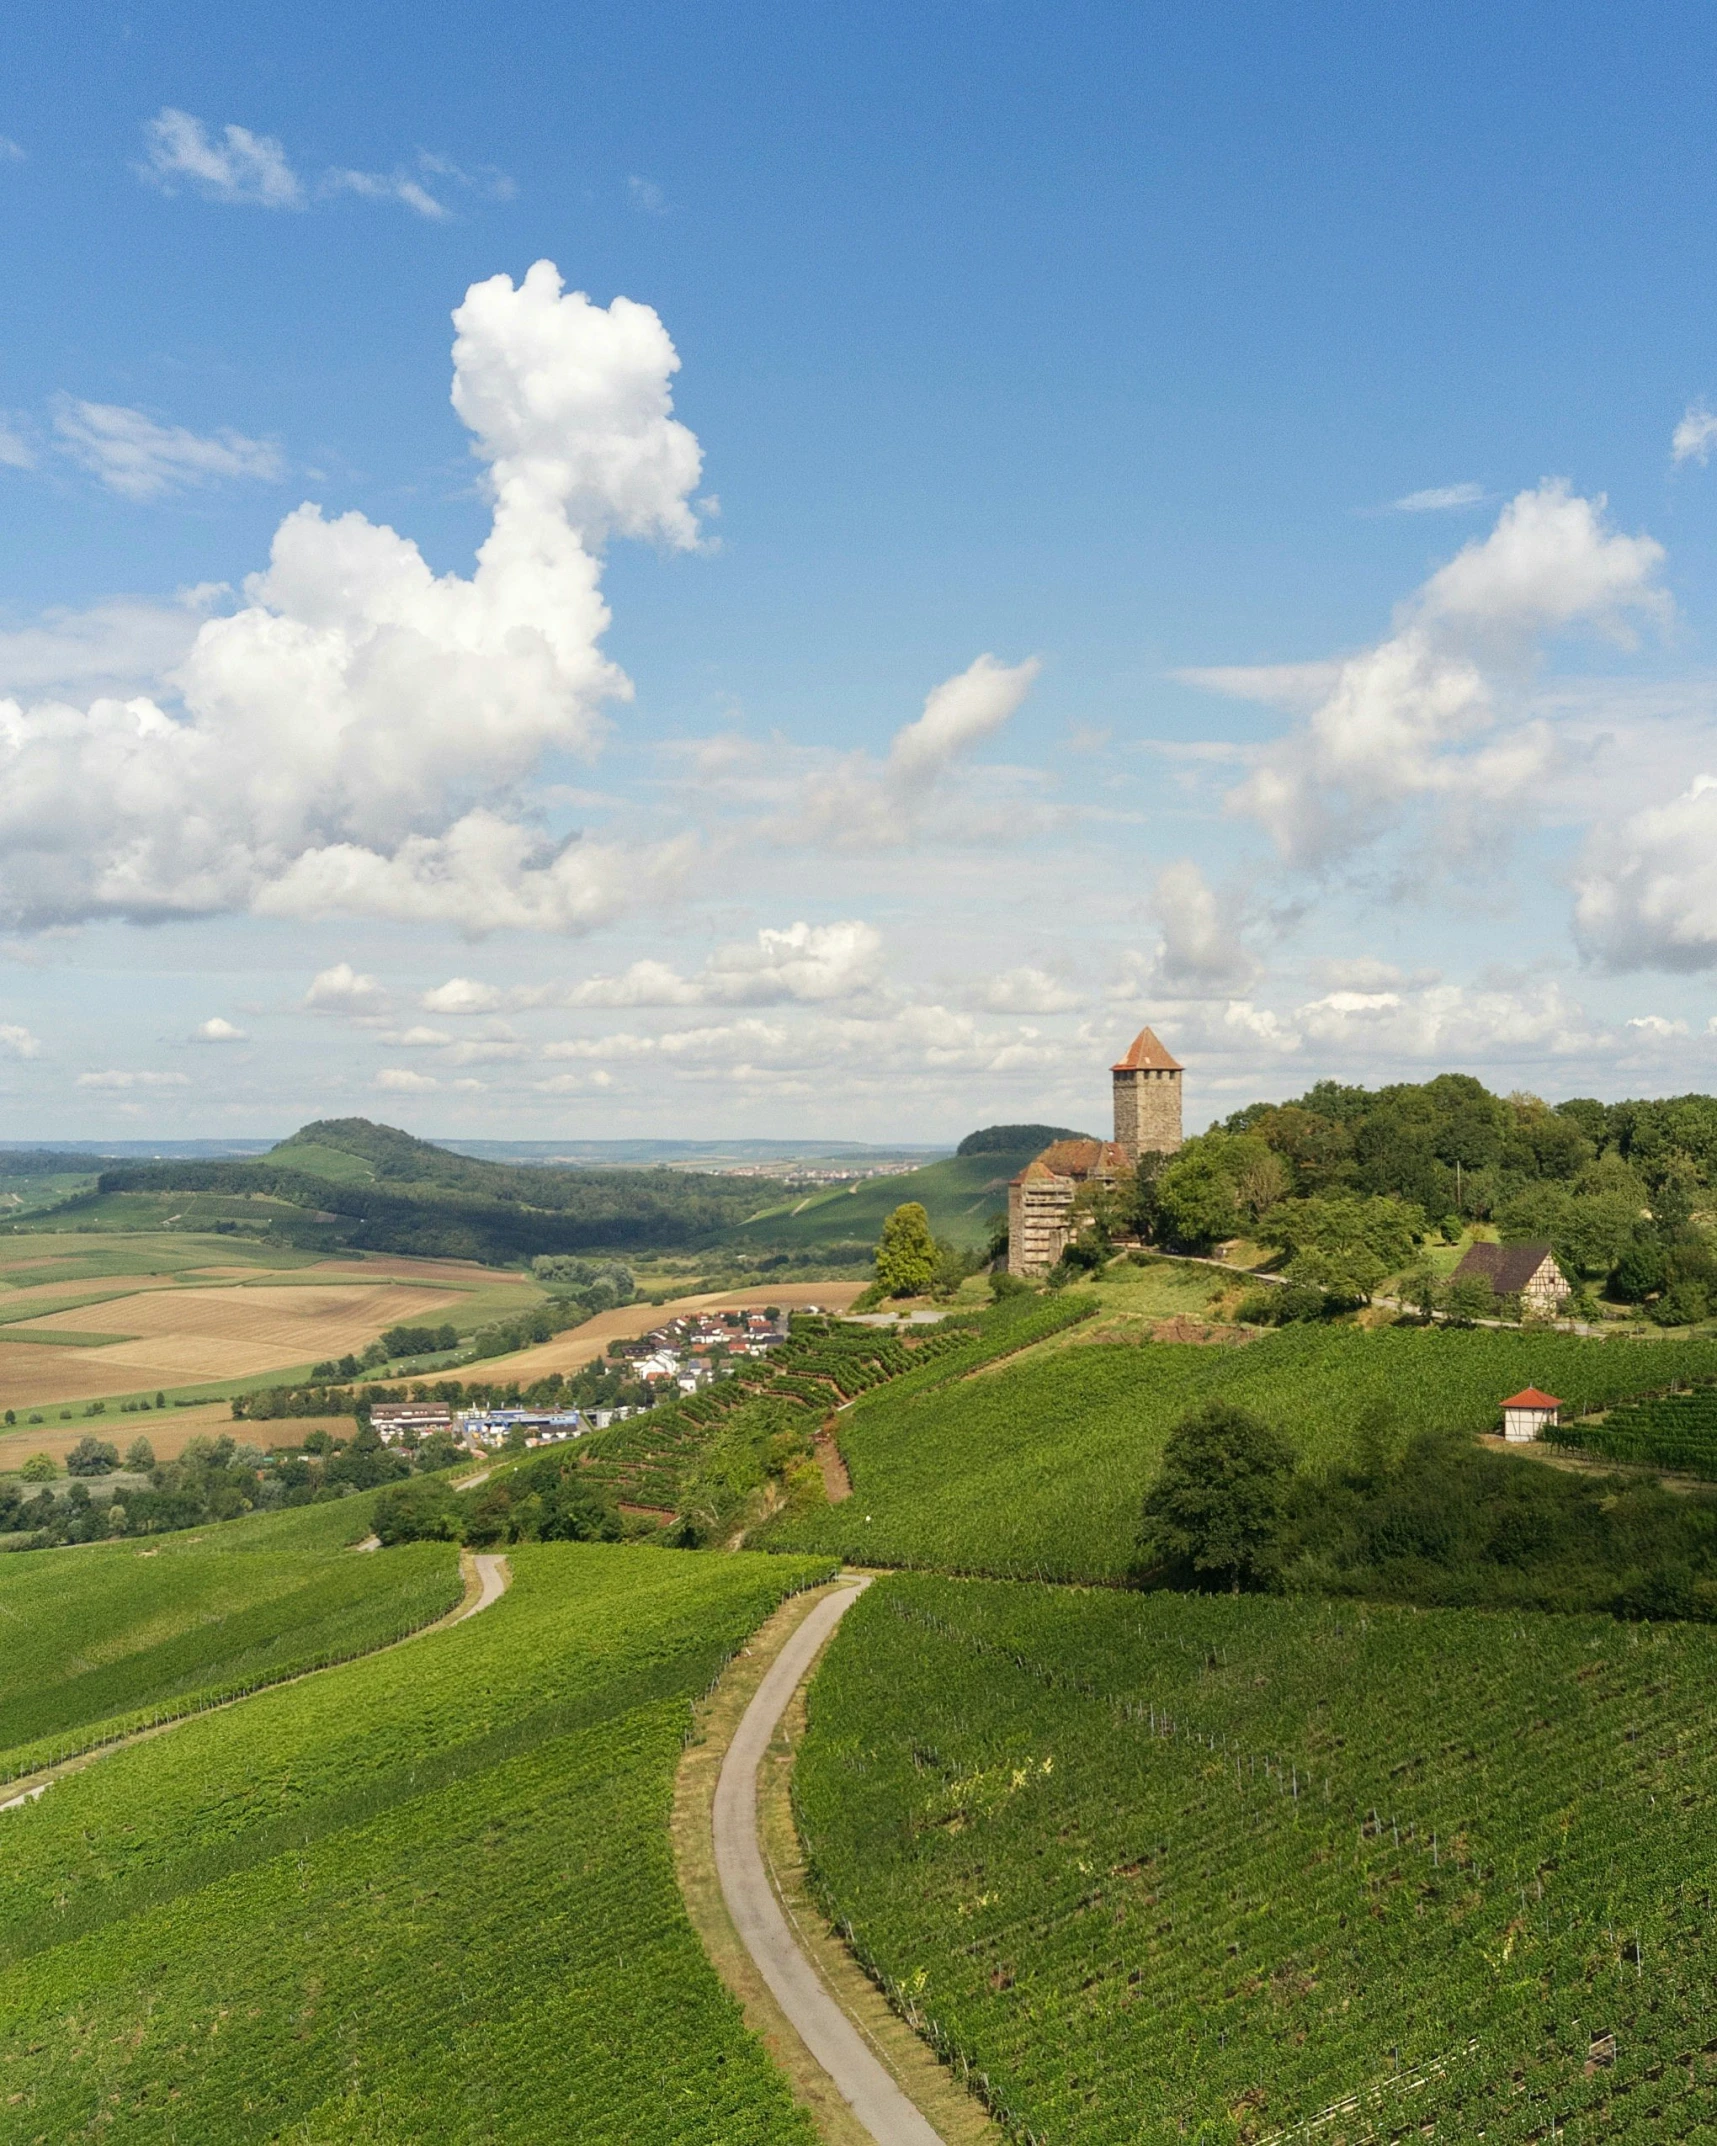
(1009, 1139)
(960, 1195)
(346, 1181)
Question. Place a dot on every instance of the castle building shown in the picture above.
(1147, 1122)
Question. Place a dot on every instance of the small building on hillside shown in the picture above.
(1528, 1271)
(1528, 1413)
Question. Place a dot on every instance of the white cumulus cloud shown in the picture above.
(1694, 436)
(401, 1080)
(240, 166)
(1028, 990)
(342, 989)
(18, 1042)
(218, 1030)
(1646, 887)
(139, 459)
(354, 737)
(1415, 718)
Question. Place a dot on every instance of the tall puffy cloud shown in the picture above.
(352, 738)
(1416, 718)
(1646, 889)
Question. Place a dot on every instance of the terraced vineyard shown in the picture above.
(1152, 1867)
(1037, 1470)
(1676, 1431)
(116, 1636)
(428, 1895)
(826, 1363)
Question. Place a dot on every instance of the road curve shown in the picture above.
(764, 1930)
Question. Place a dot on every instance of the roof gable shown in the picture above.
(1507, 1267)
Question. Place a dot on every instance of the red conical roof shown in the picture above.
(1145, 1050)
(1530, 1397)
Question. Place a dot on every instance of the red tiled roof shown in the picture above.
(1530, 1397)
(1145, 1050)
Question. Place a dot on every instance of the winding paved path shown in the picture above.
(757, 1914)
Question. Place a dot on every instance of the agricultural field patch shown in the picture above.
(1037, 1469)
(431, 1890)
(1147, 1867)
(143, 1631)
(183, 1335)
(168, 1430)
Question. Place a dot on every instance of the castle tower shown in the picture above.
(1147, 1098)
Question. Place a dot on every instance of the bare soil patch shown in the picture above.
(837, 1484)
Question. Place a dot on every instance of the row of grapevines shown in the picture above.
(427, 1896)
(1670, 1431)
(1149, 1867)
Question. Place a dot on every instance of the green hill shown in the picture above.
(960, 1195)
(1037, 1471)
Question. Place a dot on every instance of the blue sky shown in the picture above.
(1014, 629)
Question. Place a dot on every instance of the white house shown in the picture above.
(1527, 1413)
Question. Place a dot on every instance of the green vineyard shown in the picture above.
(1154, 1867)
(427, 1895)
(114, 1637)
(1677, 1431)
(1037, 1470)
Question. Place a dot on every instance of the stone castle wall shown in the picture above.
(1037, 1223)
(1147, 1110)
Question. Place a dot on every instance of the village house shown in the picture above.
(1528, 1271)
(1146, 1087)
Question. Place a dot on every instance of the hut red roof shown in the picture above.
(1530, 1397)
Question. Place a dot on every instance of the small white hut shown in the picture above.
(1527, 1413)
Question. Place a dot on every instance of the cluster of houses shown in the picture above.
(687, 1353)
(678, 1357)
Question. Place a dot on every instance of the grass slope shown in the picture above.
(1161, 1867)
(425, 1896)
(119, 1633)
(959, 1195)
(1037, 1470)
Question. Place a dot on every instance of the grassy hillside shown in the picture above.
(150, 1631)
(1164, 1867)
(424, 1896)
(960, 1196)
(1038, 1469)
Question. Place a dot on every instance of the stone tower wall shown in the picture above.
(1147, 1110)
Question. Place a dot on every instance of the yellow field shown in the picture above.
(571, 1351)
(221, 1321)
(168, 1431)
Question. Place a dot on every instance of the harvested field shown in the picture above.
(184, 1335)
(167, 1430)
(583, 1344)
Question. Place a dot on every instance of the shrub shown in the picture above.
(39, 1468)
(92, 1456)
